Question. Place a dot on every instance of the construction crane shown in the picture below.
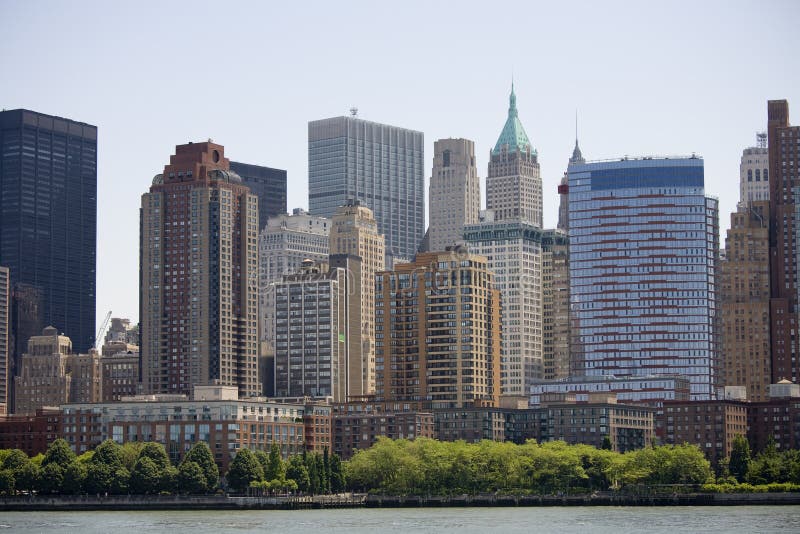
(101, 331)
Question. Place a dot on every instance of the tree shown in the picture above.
(201, 455)
(297, 471)
(156, 452)
(59, 453)
(191, 478)
(27, 477)
(739, 462)
(244, 469)
(51, 479)
(99, 478)
(338, 482)
(108, 453)
(7, 482)
(146, 477)
(606, 446)
(16, 460)
(74, 478)
(275, 468)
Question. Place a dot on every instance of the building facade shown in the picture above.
(784, 181)
(437, 327)
(555, 305)
(513, 249)
(355, 232)
(268, 184)
(283, 244)
(5, 341)
(754, 172)
(513, 185)
(644, 243)
(711, 425)
(48, 216)
(454, 200)
(199, 276)
(380, 165)
(311, 318)
(745, 300)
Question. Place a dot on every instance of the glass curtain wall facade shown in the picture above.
(380, 165)
(48, 216)
(644, 241)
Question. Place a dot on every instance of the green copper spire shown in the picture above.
(513, 133)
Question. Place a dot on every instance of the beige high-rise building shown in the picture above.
(354, 232)
(514, 187)
(555, 305)
(52, 375)
(455, 192)
(514, 251)
(199, 276)
(746, 358)
(284, 243)
(754, 172)
(438, 331)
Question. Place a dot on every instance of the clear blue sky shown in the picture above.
(646, 78)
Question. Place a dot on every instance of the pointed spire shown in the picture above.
(577, 157)
(513, 135)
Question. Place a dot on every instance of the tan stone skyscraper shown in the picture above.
(745, 302)
(455, 192)
(199, 276)
(555, 305)
(354, 231)
(438, 331)
(514, 187)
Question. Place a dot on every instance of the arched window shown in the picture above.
(749, 175)
(758, 175)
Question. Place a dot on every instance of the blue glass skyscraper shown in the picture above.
(644, 241)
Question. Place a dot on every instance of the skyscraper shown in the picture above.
(513, 249)
(199, 276)
(745, 297)
(455, 192)
(555, 305)
(754, 172)
(644, 243)
(784, 217)
(48, 216)
(513, 186)
(284, 243)
(354, 232)
(380, 165)
(5, 342)
(268, 184)
(423, 354)
(311, 320)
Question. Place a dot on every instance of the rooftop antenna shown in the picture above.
(761, 139)
(354, 111)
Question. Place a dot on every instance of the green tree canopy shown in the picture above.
(146, 476)
(739, 462)
(59, 453)
(244, 469)
(191, 478)
(202, 456)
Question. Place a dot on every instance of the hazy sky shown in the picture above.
(646, 78)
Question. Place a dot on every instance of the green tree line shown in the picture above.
(426, 466)
(145, 469)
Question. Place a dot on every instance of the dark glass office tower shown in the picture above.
(268, 184)
(48, 216)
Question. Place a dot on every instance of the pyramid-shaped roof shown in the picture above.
(513, 133)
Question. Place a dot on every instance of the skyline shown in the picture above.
(151, 77)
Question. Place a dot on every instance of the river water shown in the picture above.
(584, 520)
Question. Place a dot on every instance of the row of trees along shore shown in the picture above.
(395, 467)
(145, 469)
